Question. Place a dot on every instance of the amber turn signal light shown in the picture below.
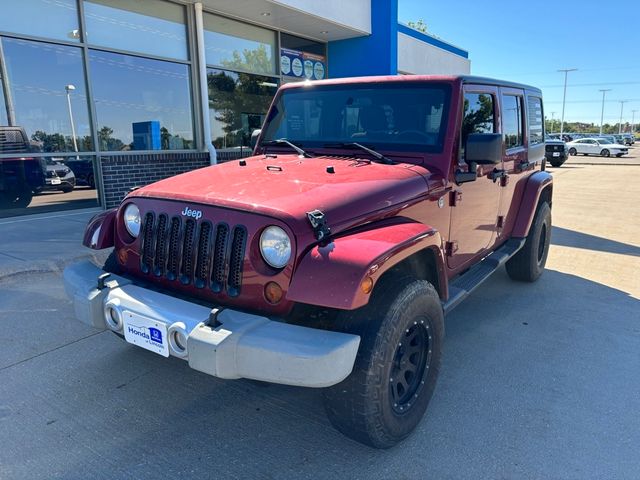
(367, 285)
(122, 256)
(273, 292)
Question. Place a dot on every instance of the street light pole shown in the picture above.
(70, 88)
(633, 120)
(564, 96)
(553, 122)
(602, 112)
(622, 102)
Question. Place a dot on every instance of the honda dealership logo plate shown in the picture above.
(146, 333)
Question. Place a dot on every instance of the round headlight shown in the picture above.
(275, 246)
(132, 220)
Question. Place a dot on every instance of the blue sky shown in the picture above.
(529, 42)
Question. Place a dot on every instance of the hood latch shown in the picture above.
(319, 224)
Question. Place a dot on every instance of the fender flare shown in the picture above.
(331, 276)
(100, 230)
(536, 184)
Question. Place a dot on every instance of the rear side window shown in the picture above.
(536, 129)
(478, 116)
(512, 121)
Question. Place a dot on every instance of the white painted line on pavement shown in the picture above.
(33, 217)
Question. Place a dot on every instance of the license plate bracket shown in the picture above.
(145, 332)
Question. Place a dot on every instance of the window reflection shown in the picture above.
(239, 46)
(51, 107)
(154, 27)
(141, 104)
(238, 103)
(41, 18)
(478, 116)
(511, 121)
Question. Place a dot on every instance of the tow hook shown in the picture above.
(319, 224)
(101, 279)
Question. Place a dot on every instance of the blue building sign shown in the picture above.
(146, 135)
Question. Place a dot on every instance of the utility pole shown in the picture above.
(602, 112)
(564, 96)
(633, 119)
(70, 88)
(553, 122)
(622, 102)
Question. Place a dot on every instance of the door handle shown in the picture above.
(496, 174)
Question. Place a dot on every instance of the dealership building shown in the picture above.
(142, 90)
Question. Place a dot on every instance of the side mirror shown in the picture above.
(483, 148)
(254, 137)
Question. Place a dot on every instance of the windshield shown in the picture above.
(385, 116)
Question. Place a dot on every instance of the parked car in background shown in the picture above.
(629, 139)
(83, 170)
(19, 176)
(596, 146)
(556, 151)
(59, 177)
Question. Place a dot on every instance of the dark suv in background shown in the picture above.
(20, 176)
(555, 151)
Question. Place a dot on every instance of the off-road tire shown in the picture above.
(362, 406)
(605, 153)
(528, 264)
(573, 152)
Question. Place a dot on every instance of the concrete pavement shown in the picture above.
(538, 380)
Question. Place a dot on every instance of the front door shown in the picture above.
(475, 205)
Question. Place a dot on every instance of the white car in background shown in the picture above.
(596, 146)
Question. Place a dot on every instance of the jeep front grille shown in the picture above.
(203, 254)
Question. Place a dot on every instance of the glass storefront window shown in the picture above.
(41, 18)
(239, 46)
(141, 104)
(153, 27)
(48, 92)
(238, 103)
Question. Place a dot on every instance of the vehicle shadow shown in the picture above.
(571, 238)
(532, 370)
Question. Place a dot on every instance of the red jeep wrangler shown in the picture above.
(371, 207)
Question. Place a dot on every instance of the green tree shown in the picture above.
(419, 25)
(107, 142)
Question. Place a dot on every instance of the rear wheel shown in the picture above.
(573, 152)
(397, 365)
(16, 199)
(605, 153)
(528, 264)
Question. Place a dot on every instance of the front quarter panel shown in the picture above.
(100, 230)
(331, 276)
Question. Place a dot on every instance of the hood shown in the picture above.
(287, 187)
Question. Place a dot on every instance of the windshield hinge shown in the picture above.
(319, 224)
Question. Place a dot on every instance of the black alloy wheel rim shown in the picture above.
(542, 243)
(411, 362)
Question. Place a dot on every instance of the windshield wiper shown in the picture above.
(377, 155)
(284, 141)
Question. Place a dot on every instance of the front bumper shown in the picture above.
(224, 343)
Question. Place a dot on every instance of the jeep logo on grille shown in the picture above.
(187, 212)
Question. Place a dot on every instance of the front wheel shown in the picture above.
(605, 153)
(573, 152)
(397, 365)
(556, 164)
(619, 155)
(528, 264)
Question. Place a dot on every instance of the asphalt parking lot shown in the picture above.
(538, 380)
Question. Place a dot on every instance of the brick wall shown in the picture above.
(120, 173)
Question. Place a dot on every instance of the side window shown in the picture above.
(512, 121)
(478, 116)
(536, 128)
